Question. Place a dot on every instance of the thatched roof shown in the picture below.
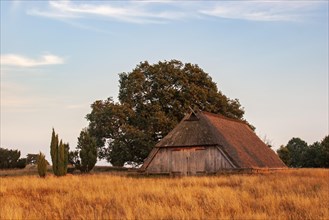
(234, 137)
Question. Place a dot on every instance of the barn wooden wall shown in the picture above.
(188, 161)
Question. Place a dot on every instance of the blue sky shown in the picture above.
(58, 57)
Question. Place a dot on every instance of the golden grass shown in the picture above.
(294, 194)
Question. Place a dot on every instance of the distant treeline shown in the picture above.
(297, 153)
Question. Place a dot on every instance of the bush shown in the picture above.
(21, 163)
(87, 151)
(8, 158)
(42, 165)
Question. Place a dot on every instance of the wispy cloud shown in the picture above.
(23, 61)
(142, 12)
(132, 12)
(262, 11)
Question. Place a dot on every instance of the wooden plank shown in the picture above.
(226, 158)
(189, 161)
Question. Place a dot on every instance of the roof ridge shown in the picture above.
(224, 117)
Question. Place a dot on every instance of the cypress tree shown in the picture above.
(53, 151)
(59, 155)
(66, 157)
(61, 159)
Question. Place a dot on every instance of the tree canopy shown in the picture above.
(297, 153)
(9, 158)
(152, 100)
(87, 151)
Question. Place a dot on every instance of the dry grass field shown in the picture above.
(293, 194)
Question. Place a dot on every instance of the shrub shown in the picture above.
(21, 163)
(87, 151)
(42, 165)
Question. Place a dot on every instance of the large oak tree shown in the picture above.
(152, 100)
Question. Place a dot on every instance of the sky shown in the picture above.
(58, 57)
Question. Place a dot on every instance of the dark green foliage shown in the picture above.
(74, 157)
(54, 151)
(62, 164)
(21, 163)
(66, 149)
(298, 154)
(74, 161)
(152, 100)
(284, 155)
(42, 165)
(9, 158)
(59, 155)
(296, 147)
(87, 151)
(32, 158)
(324, 156)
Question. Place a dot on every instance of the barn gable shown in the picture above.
(191, 131)
(205, 142)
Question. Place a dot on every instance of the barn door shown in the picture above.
(188, 161)
(197, 161)
(179, 161)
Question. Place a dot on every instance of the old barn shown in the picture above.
(204, 143)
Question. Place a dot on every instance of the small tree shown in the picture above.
(54, 151)
(59, 155)
(87, 150)
(66, 148)
(284, 154)
(42, 165)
